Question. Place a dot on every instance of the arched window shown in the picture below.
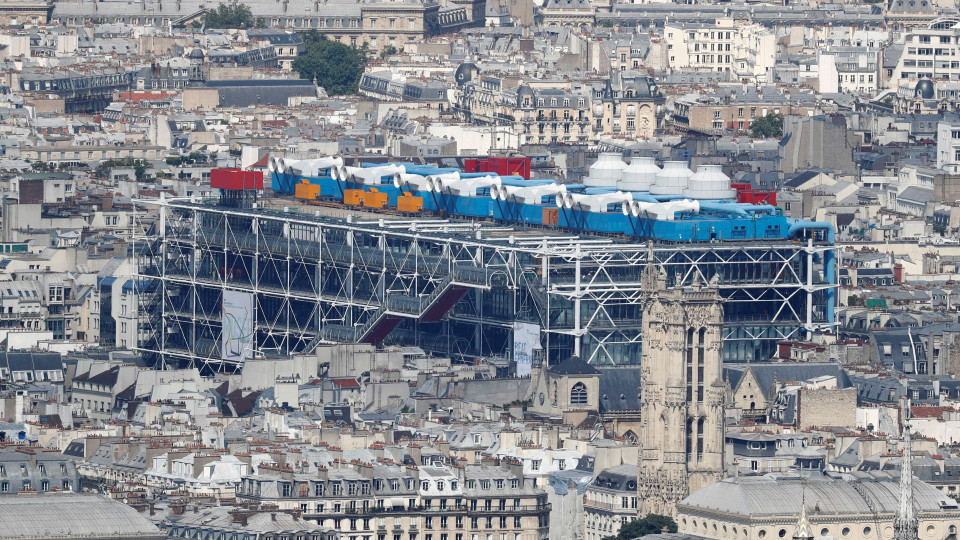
(578, 394)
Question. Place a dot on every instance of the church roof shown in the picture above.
(573, 366)
(781, 497)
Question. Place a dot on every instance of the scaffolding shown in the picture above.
(317, 274)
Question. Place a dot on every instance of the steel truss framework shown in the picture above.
(449, 287)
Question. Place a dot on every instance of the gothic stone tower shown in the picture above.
(681, 393)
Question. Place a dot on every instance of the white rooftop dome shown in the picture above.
(709, 182)
(673, 179)
(606, 171)
(639, 175)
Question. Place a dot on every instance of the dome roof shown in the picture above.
(924, 89)
(197, 53)
(465, 72)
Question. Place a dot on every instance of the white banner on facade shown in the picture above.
(526, 339)
(237, 336)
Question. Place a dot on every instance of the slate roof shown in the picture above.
(574, 366)
(619, 388)
(77, 515)
(261, 92)
(31, 361)
(768, 496)
(916, 194)
(801, 179)
(767, 373)
(619, 478)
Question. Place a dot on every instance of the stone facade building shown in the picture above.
(430, 502)
(681, 444)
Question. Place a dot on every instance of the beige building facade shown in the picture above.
(681, 393)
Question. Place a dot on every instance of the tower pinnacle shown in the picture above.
(905, 525)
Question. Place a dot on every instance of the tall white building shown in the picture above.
(932, 51)
(948, 146)
(747, 51)
(849, 69)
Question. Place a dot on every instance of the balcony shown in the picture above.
(608, 507)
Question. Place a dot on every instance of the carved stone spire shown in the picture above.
(905, 524)
(803, 530)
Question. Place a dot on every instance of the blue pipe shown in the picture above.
(805, 225)
(722, 207)
(661, 198)
(643, 196)
(519, 181)
(758, 207)
(426, 170)
(367, 165)
(830, 273)
(575, 188)
(746, 207)
(599, 190)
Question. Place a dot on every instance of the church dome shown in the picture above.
(924, 89)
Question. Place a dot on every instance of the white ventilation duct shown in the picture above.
(272, 164)
(606, 171)
(312, 167)
(343, 173)
(529, 194)
(709, 183)
(468, 186)
(672, 179)
(436, 182)
(284, 164)
(639, 175)
(595, 203)
(412, 182)
(664, 211)
(373, 176)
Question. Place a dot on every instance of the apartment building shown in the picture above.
(932, 51)
(552, 115)
(36, 470)
(738, 109)
(746, 51)
(363, 500)
(627, 104)
(850, 69)
(948, 146)
(610, 501)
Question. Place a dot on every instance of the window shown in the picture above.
(535, 465)
(425, 485)
(578, 394)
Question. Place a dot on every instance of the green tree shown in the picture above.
(388, 51)
(652, 524)
(140, 170)
(41, 166)
(766, 127)
(232, 15)
(335, 66)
